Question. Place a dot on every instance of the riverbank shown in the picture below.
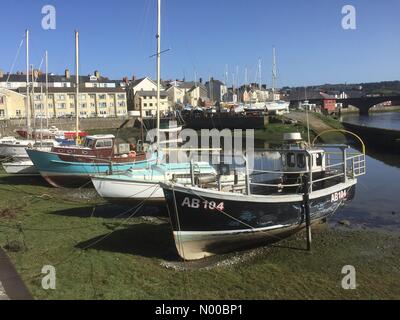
(101, 255)
(100, 251)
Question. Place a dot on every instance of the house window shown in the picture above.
(102, 105)
(148, 113)
(120, 96)
(18, 113)
(60, 97)
(2, 114)
(102, 96)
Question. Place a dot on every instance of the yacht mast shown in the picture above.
(77, 84)
(274, 73)
(28, 102)
(47, 90)
(158, 36)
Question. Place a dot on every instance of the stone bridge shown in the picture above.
(362, 103)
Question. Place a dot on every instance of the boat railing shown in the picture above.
(338, 168)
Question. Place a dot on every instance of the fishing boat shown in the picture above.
(137, 184)
(312, 183)
(72, 166)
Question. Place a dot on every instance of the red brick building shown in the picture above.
(328, 103)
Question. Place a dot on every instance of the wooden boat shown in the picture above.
(73, 166)
(313, 182)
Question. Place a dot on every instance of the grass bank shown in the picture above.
(100, 254)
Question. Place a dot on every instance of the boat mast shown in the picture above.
(77, 85)
(28, 102)
(33, 99)
(158, 36)
(47, 90)
(274, 73)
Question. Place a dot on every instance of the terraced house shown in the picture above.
(98, 96)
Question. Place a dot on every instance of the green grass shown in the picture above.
(273, 133)
(100, 257)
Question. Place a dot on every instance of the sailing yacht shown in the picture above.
(16, 148)
(72, 166)
(138, 184)
(276, 106)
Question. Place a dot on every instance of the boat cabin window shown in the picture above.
(318, 158)
(284, 160)
(301, 160)
(291, 159)
(104, 143)
(89, 143)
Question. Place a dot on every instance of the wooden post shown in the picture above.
(306, 204)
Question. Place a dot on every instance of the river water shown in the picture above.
(386, 120)
(377, 201)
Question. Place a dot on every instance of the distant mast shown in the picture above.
(77, 85)
(274, 73)
(28, 103)
(47, 90)
(158, 36)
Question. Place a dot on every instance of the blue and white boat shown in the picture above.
(73, 166)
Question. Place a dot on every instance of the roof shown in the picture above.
(73, 90)
(198, 85)
(101, 136)
(214, 81)
(309, 95)
(57, 78)
(134, 83)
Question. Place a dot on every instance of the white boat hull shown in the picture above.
(128, 191)
(20, 167)
(13, 150)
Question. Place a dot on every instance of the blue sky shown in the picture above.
(117, 37)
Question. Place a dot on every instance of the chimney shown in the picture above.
(97, 74)
(133, 78)
(67, 74)
(1, 73)
(125, 80)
